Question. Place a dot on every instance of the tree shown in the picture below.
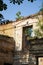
(18, 1)
(1, 17)
(19, 17)
(3, 6)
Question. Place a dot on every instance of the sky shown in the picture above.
(26, 9)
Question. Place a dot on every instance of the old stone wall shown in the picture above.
(7, 48)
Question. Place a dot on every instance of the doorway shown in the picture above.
(27, 32)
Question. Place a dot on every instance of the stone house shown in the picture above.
(17, 30)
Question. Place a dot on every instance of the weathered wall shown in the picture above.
(15, 29)
(19, 30)
(7, 47)
(7, 29)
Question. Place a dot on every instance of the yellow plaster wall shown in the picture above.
(7, 29)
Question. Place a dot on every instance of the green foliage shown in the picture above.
(19, 1)
(41, 9)
(39, 31)
(31, 0)
(28, 31)
(1, 17)
(16, 1)
(3, 6)
(18, 14)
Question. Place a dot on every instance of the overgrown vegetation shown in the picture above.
(18, 16)
(39, 30)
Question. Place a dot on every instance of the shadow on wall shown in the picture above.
(7, 46)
